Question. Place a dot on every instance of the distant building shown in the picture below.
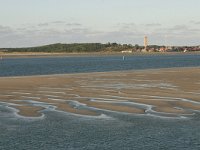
(127, 51)
(185, 50)
(162, 49)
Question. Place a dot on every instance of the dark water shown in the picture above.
(61, 65)
(65, 131)
(121, 132)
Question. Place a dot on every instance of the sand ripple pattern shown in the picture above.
(162, 93)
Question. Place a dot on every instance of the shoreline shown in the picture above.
(41, 54)
(169, 92)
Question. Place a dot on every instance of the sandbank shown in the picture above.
(167, 91)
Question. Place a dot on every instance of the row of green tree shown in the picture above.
(76, 47)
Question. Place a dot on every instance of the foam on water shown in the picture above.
(57, 99)
(16, 115)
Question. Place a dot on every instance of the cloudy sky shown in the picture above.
(37, 22)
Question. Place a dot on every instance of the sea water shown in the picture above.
(117, 131)
(65, 131)
(62, 65)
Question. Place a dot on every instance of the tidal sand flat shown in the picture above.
(171, 92)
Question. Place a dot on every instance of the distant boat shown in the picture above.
(123, 57)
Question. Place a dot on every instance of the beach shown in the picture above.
(85, 54)
(160, 92)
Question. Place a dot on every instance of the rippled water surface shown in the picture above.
(61, 65)
(66, 131)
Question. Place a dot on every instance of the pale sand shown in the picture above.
(174, 91)
(80, 54)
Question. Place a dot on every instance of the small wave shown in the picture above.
(167, 117)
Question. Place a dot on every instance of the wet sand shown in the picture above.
(169, 92)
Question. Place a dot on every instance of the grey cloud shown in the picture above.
(153, 25)
(80, 30)
(33, 36)
(65, 23)
(183, 31)
(120, 36)
(177, 35)
(58, 22)
(176, 29)
(195, 22)
(128, 24)
(8, 36)
(21, 29)
(73, 24)
(23, 37)
(179, 27)
(5, 30)
(125, 25)
(195, 30)
(43, 24)
(46, 24)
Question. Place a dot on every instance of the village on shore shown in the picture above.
(101, 48)
(157, 48)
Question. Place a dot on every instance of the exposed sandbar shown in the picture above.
(174, 91)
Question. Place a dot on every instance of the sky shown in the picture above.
(26, 23)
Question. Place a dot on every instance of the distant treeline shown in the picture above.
(98, 47)
(76, 47)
